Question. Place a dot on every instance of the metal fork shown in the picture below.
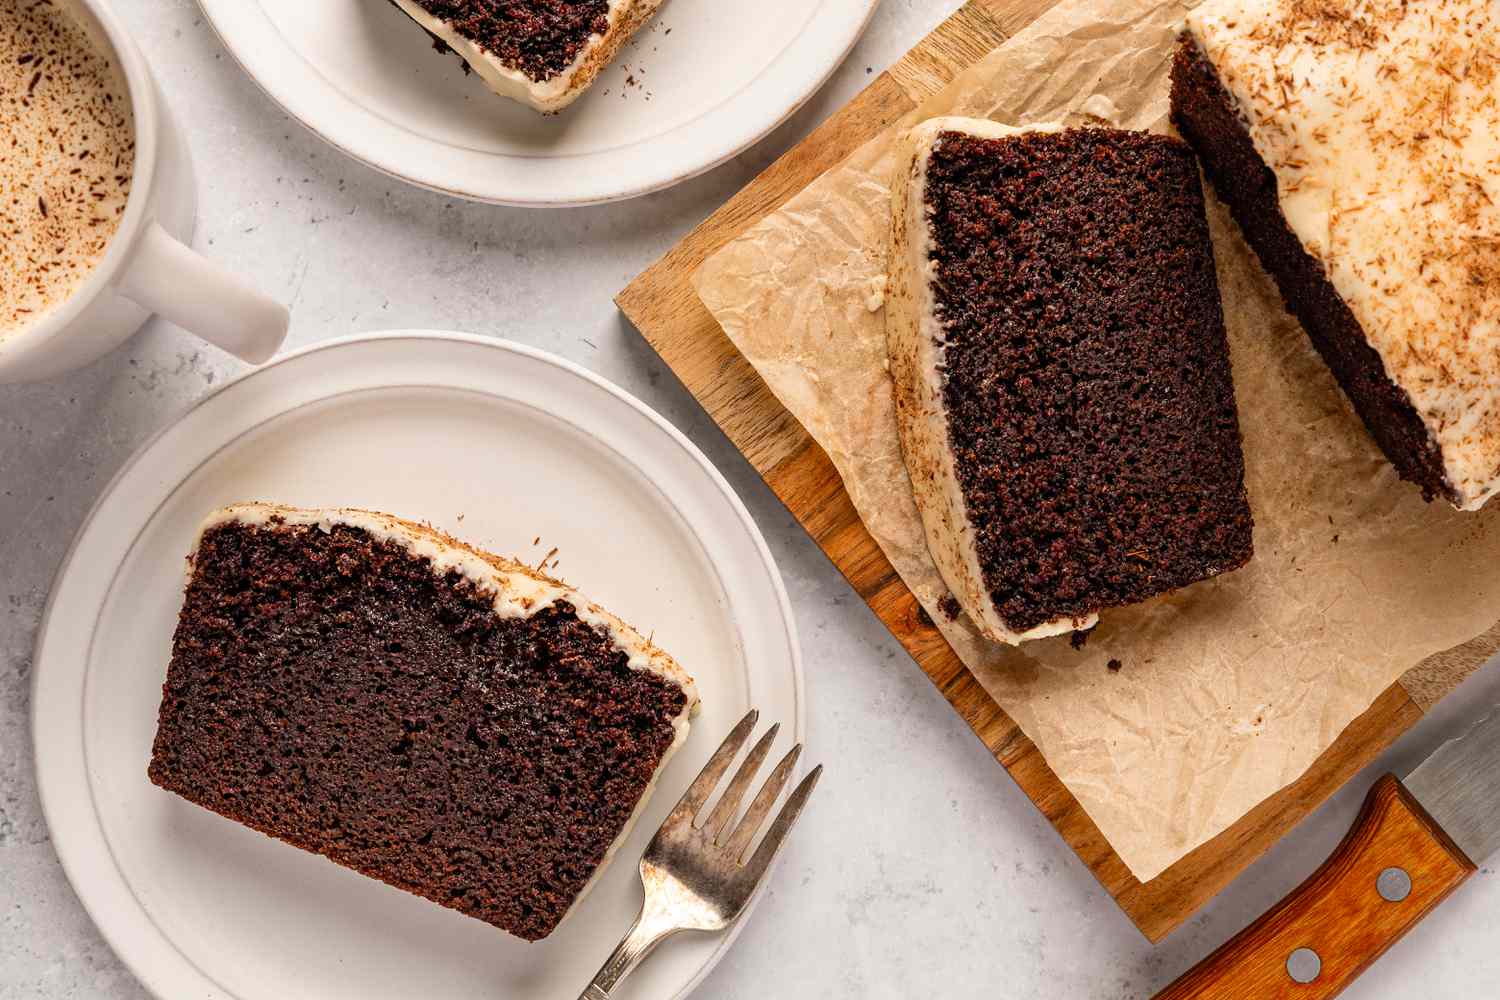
(696, 876)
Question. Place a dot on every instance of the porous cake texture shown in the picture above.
(1357, 143)
(444, 720)
(544, 53)
(1062, 374)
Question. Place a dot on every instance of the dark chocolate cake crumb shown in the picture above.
(1087, 383)
(541, 38)
(1114, 666)
(950, 607)
(332, 691)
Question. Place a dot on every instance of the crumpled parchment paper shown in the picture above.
(1226, 691)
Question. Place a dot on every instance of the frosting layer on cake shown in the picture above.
(1380, 120)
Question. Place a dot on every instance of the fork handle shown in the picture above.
(648, 931)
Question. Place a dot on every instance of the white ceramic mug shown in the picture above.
(148, 266)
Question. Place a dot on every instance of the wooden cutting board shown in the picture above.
(662, 304)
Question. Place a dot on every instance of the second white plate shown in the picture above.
(702, 81)
(494, 443)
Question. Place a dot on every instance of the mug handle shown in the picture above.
(176, 282)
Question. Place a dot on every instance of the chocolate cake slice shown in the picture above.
(1358, 146)
(453, 723)
(544, 53)
(1062, 376)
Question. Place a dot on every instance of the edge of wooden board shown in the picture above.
(663, 306)
(808, 480)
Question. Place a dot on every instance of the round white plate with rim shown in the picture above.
(495, 443)
(699, 83)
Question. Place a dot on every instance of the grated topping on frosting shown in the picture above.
(1381, 122)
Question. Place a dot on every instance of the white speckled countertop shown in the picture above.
(919, 871)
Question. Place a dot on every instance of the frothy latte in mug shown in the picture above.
(67, 146)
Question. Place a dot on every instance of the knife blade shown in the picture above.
(1459, 786)
(1416, 840)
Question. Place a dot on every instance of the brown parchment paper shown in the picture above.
(1229, 689)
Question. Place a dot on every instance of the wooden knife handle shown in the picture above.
(1341, 914)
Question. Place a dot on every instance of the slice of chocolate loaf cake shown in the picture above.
(544, 53)
(1358, 146)
(1062, 376)
(453, 723)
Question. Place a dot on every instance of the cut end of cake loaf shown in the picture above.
(452, 723)
(1062, 377)
(544, 55)
(1368, 184)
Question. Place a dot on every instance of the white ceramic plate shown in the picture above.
(494, 443)
(702, 81)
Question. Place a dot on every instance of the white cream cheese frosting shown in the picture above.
(518, 591)
(1381, 122)
(915, 339)
(558, 90)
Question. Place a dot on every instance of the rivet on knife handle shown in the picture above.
(1344, 914)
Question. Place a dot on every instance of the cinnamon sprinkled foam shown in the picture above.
(1381, 122)
(67, 150)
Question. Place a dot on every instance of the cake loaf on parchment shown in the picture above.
(1357, 145)
(1062, 376)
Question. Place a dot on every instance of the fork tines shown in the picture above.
(719, 826)
(696, 876)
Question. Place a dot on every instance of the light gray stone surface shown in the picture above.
(920, 871)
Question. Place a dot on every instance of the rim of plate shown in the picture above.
(117, 928)
(302, 92)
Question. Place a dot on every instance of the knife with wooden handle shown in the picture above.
(1416, 840)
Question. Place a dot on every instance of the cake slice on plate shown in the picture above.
(453, 723)
(544, 53)
(1062, 376)
(1358, 146)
